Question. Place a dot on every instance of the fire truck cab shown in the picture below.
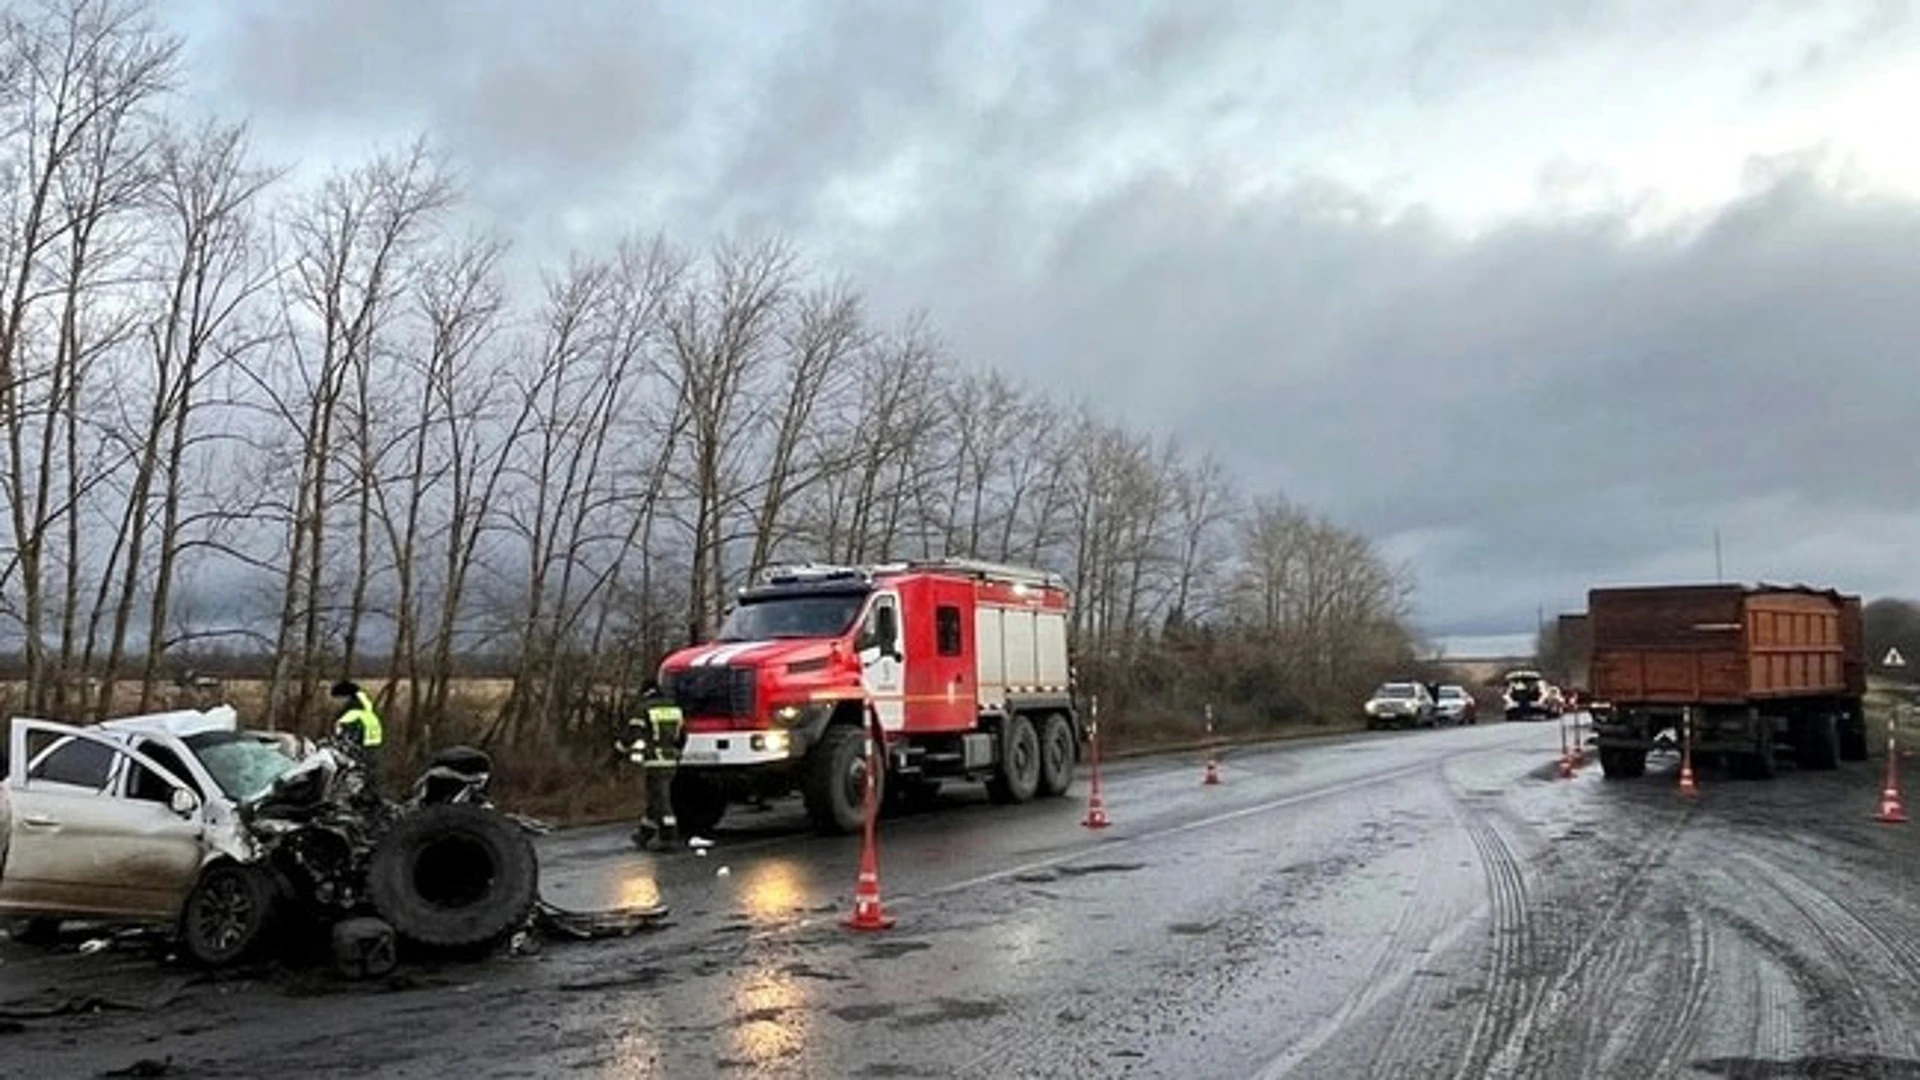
(963, 663)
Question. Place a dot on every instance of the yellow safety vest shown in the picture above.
(363, 715)
(664, 748)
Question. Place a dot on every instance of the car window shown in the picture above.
(243, 766)
(80, 762)
(147, 784)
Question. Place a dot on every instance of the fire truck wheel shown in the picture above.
(698, 803)
(836, 784)
(1018, 776)
(1056, 755)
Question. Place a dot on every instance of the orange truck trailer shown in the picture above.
(963, 664)
(1760, 671)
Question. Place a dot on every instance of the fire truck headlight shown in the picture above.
(777, 742)
(787, 714)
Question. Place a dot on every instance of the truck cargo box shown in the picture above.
(1723, 644)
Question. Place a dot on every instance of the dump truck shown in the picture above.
(960, 665)
(1757, 672)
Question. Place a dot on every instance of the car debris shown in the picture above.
(246, 838)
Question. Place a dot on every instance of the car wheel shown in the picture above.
(228, 913)
(453, 876)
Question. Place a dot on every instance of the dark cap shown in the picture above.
(345, 688)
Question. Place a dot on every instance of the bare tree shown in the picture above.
(721, 326)
(78, 75)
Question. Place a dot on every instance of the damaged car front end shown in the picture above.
(239, 839)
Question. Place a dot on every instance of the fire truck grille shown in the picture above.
(714, 691)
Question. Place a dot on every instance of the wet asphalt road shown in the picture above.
(1422, 904)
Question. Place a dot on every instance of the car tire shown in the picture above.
(454, 876)
(1056, 756)
(835, 790)
(1018, 775)
(228, 914)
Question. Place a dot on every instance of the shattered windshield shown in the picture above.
(244, 767)
(792, 617)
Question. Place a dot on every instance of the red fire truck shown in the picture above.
(964, 663)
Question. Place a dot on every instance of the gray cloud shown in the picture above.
(1152, 203)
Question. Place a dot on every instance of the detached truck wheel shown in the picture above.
(1623, 764)
(1018, 775)
(453, 876)
(836, 782)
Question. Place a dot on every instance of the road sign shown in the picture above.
(1893, 659)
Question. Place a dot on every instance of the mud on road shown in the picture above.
(1422, 904)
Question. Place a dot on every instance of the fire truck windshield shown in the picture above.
(814, 616)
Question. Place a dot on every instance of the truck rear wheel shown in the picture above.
(698, 803)
(1853, 736)
(1817, 741)
(1056, 755)
(1623, 764)
(1018, 775)
(836, 784)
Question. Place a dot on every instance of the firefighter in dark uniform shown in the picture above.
(358, 723)
(654, 740)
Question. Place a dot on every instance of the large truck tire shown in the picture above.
(835, 790)
(229, 914)
(1853, 735)
(698, 803)
(1056, 755)
(1018, 775)
(453, 876)
(1619, 764)
(1816, 739)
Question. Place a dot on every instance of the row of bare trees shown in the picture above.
(333, 428)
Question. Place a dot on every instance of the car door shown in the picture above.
(883, 660)
(79, 845)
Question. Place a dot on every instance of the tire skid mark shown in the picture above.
(1838, 1013)
(1827, 917)
(1678, 1029)
(1898, 938)
(1586, 972)
(1505, 998)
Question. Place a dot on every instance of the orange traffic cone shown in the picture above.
(1566, 765)
(1688, 789)
(1096, 806)
(1213, 769)
(1892, 810)
(868, 912)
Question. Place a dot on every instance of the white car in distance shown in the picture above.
(136, 820)
(1400, 704)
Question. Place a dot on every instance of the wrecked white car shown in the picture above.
(185, 820)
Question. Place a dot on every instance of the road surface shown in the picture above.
(1419, 904)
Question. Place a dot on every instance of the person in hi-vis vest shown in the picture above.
(653, 741)
(358, 723)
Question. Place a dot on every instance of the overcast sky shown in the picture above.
(1538, 293)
